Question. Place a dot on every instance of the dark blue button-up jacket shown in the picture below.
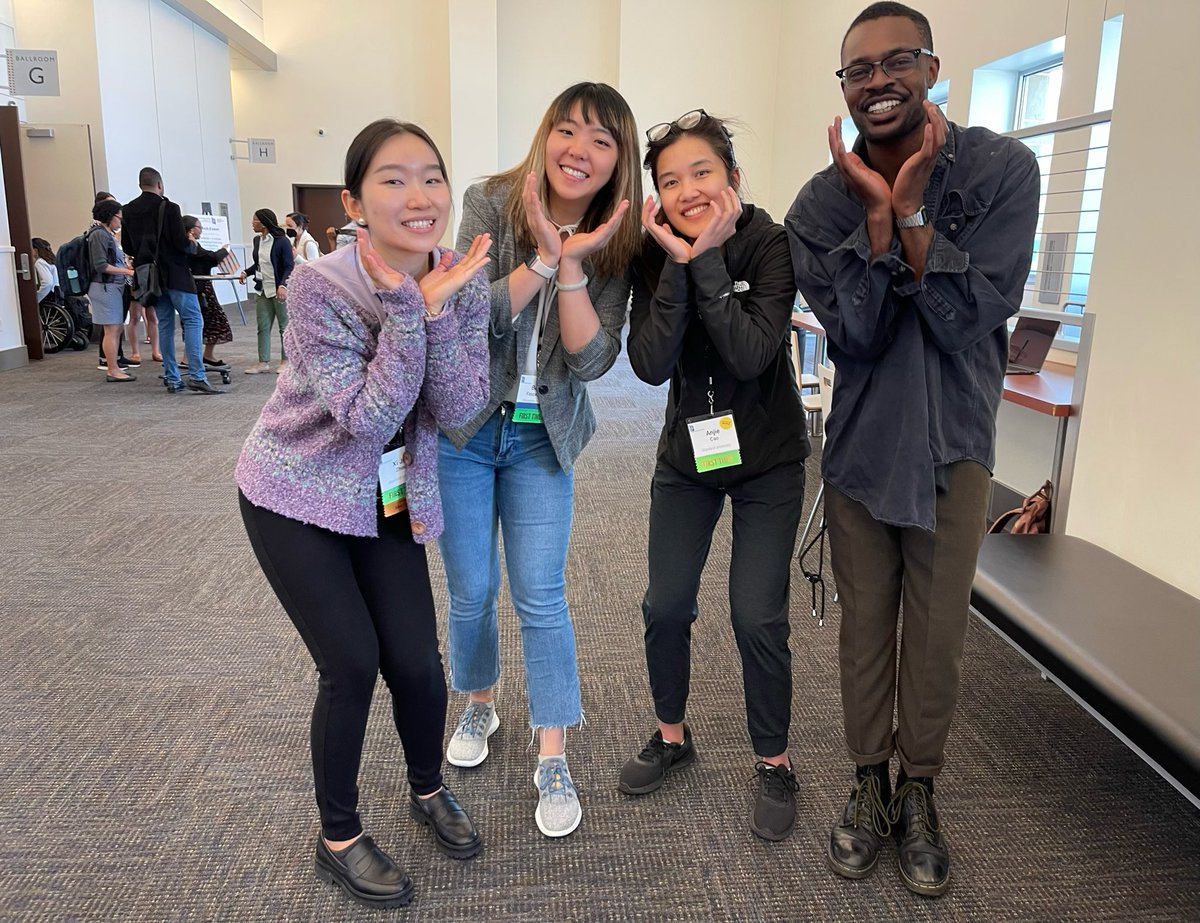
(920, 364)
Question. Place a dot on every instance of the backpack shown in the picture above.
(74, 267)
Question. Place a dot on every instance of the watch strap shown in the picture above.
(546, 272)
(917, 220)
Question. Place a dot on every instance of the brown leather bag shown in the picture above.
(1031, 518)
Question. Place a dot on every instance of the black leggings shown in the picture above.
(363, 606)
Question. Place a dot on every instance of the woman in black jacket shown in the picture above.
(712, 303)
(270, 272)
(216, 323)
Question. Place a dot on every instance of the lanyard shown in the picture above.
(545, 294)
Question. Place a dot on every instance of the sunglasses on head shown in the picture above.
(685, 122)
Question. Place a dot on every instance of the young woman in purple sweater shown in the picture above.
(339, 489)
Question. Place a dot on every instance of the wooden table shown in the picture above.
(1048, 392)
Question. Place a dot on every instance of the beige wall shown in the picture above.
(535, 64)
(40, 24)
(363, 63)
(678, 55)
(1137, 489)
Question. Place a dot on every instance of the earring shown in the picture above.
(361, 222)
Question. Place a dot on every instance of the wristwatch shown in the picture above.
(919, 220)
(546, 272)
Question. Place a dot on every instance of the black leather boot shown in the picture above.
(924, 856)
(453, 829)
(854, 843)
(365, 872)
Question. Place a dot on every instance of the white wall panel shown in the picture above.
(216, 128)
(177, 100)
(128, 101)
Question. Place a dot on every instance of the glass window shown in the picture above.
(1037, 97)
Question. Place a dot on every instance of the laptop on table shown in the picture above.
(1029, 344)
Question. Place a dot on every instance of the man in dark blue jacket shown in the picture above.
(912, 250)
(141, 239)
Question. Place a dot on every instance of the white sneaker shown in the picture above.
(558, 811)
(469, 745)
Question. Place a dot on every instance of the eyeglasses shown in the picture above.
(685, 122)
(898, 64)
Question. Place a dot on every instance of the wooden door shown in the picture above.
(323, 205)
(59, 185)
(18, 229)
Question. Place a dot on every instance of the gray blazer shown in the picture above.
(566, 410)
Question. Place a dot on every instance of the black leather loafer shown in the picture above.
(365, 872)
(453, 830)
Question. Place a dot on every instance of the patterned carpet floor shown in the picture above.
(156, 704)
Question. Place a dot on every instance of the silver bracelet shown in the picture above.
(574, 286)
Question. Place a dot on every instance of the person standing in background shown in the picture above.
(272, 263)
(110, 274)
(304, 247)
(153, 233)
(216, 323)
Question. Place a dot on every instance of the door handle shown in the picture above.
(24, 270)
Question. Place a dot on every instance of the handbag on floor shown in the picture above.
(1032, 517)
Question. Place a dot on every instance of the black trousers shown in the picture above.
(766, 515)
(363, 606)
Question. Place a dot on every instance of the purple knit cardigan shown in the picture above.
(314, 454)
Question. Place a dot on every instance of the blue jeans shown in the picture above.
(509, 476)
(188, 306)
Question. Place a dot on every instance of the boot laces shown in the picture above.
(920, 820)
(869, 809)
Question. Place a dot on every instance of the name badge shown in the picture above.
(527, 409)
(714, 441)
(391, 482)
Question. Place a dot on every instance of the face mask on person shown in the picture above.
(291, 232)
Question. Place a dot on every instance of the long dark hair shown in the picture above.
(42, 246)
(267, 219)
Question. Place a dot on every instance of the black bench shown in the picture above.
(1123, 643)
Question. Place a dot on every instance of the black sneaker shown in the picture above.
(646, 771)
(775, 807)
(854, 843)
(122, 362)
(924, 857)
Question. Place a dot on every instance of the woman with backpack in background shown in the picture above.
(110, 273)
